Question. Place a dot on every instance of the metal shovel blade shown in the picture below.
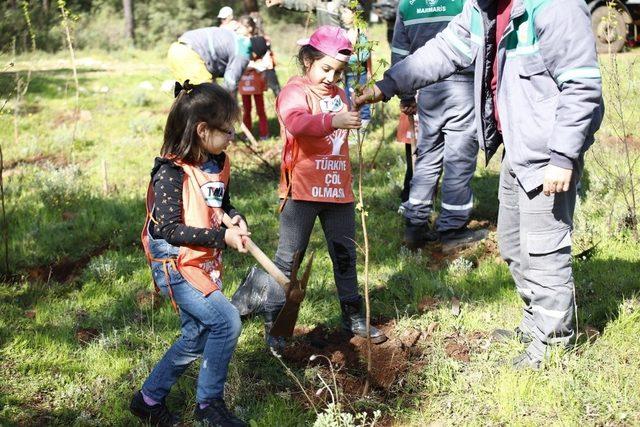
(288, 316)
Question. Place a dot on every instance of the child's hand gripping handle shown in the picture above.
(260, 256)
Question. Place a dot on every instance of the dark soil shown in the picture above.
(405, 351)
(65, 270)
(15, 166)
(391, 360)
(85, 335)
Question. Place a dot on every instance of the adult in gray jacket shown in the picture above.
(205, 54)
(327, 11)
(545, 103)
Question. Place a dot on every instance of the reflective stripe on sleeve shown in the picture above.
(399, 51)
(456, 42)
(579, 73)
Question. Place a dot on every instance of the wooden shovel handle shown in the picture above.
(261, 257)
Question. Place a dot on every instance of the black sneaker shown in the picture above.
(461, 238)
(217, 414)
(156, 415)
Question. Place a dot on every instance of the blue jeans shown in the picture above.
(349, 86)
(210, 328)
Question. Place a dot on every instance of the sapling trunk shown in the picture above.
(361, 47)
(65, 24)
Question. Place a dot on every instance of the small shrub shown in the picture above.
(60, 187)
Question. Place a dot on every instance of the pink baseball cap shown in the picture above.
(330, 40)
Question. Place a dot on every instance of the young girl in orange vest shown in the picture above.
(253, 84)
(183, 239)
(316, 173)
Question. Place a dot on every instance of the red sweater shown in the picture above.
(502, 20)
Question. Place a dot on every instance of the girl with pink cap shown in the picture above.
(316, 176)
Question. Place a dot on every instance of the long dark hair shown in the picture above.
(205, 102)
(248, 22)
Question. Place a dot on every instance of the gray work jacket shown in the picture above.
(225, 54)
(549, 84)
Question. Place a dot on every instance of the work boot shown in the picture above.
(417, 236)
(461, 238)
(275, 344)
(156, 415)
(216, 414)
(353, 321)
(508, 335)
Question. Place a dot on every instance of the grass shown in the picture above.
(59, 214)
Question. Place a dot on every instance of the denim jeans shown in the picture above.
(210, 329)
(349, 86)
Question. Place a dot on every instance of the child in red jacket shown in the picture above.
(316, 173)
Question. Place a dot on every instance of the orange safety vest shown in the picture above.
(252, 82)
(317, 169)
(202, 195)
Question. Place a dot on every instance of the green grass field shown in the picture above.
(80, 331)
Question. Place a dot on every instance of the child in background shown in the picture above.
(316, 173)
(183, 239)
(269, 58)
(253, 84)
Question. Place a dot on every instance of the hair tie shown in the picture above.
(186, 86)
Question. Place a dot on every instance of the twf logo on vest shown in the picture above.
(331, 105)
(213, 192)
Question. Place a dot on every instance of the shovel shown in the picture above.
(294, 289)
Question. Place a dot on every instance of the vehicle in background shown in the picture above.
(615, 23)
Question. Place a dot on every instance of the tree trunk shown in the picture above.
(129, 27)
(45, 6)
(251, 6)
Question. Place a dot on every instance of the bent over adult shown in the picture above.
(205, 54)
